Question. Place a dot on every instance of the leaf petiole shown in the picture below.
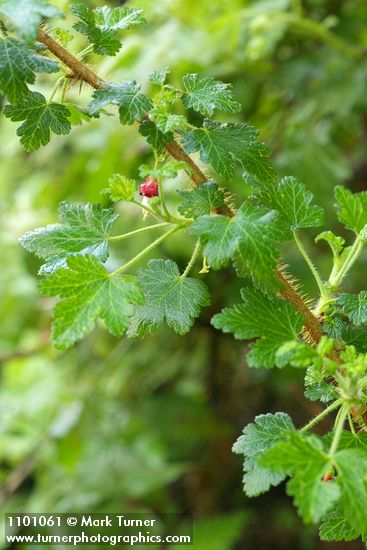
(192, 260)
(146, 250)
(320, 416)
(310, 264)
(338, 428)
(137, 231)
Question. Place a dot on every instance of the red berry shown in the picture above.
(327, 477)
(149, 188)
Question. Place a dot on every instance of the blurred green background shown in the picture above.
(148, 426)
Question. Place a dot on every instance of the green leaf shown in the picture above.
(335, 242)
(335, 527)
(292, 200)
(351, 466)
(159, 77)
(120, 188)
(154, 136)
(224, 145)
(101, 25)
(317, 389)
(131, 102)
(83, 229)
(273, 321)
(354, 306)
(296, 354)
(259, 436)
(250, 235)
(24, 16)
(40, 118)
(89, 292)
(121, 18)
(204, 94)
(201, 201)
(18, 63)
(168, 297)
(352, 208)
(304, 459)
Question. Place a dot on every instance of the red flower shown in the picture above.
(149, 188)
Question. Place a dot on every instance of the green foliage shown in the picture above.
(204, 94)
(84, 229)
(304, 459)
(24, 16)
(293, 202)
(249, 238)
(334, 527)
(168, 296)
(272, 321)
(154, 136)
(201, 200)
(120, 188)
(159, 77)
(40, 119)
(101, 25)
(265, 432)
(131, 103)
(352, 208)
(18, 63)
(224, 145)
(324, 335)
(88, 292)
(354, 306)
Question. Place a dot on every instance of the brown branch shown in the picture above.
(81, 72)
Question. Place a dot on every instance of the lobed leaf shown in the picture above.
(303, 458)
(258, 437)
(18, 65)
(83, 229)
(131, 102)
(154, 136)
(354, 306)
(352, 208)
(201, 201)
(272, 321)
(204, 94)
(100, 25)
(293, 202)
(167, 297)
(89, 292)
(40, 119)
(225, 145)
(249, 238)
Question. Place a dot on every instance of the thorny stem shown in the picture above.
(192, 260)
(146, 250)
(320, 416)
(136, 231)
(80, 71)
(310, 264)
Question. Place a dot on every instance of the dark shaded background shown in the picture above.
(148, 426)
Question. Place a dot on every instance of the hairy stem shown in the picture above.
(80, 71)
(320, 416)
(349, 261)
(146, 250)
(339, 424)
(192, 260)
(136, 231)
(310, 264)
